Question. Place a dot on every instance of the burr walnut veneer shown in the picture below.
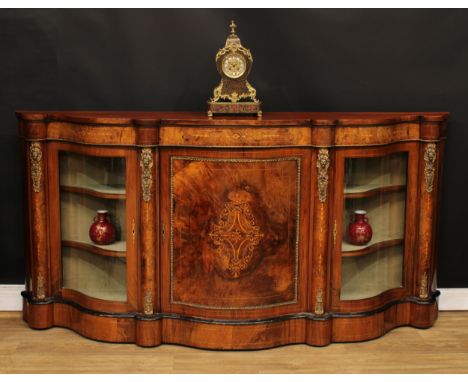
(231, 231)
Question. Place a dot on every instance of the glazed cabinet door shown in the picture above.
(374, 227)
(93, 226)
(234, 232)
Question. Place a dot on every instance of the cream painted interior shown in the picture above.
(95, 275)
(364, 174)
(370, 274)
(102, 174)
(386, 214)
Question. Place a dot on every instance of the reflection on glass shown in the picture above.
(96, 276)
(100, 174)
(89, 184)
(375, 188)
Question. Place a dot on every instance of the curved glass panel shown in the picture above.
(372, 247)
(92, 265)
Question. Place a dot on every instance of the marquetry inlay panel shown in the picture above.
(234, 232)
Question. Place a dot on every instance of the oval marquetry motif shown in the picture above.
(236, 235)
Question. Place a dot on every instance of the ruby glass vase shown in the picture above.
(359, 229)
(102, 231)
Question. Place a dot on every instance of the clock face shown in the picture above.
(234, 65)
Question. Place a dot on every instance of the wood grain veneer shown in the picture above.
(233, 225)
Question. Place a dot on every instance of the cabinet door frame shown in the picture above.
(410, 256)
(303, 279)
(131, 210)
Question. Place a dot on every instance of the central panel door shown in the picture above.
(233, 239)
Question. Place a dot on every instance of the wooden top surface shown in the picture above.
(200, 118)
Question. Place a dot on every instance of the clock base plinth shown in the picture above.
(234, 108)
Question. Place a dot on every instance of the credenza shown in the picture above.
(231, 232)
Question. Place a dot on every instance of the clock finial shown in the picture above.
(233, 27)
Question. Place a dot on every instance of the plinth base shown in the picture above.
(217, 334)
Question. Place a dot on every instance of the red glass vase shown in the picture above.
(102, 231)
(359, 229)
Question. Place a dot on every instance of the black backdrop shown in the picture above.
(304, 60)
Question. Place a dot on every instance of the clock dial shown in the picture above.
(234, 65)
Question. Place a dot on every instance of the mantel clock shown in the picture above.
(234, 94)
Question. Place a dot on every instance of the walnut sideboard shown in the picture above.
(231, 231)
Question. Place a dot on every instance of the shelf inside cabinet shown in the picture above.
(77, 215)
(102, 177)
(380, 239)
(117, 249)
(367, 191)
(368, 276)
(99, 191)
(386, 217)
(104, 296)
(373, 176)
(361, 250)
(99, 277)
